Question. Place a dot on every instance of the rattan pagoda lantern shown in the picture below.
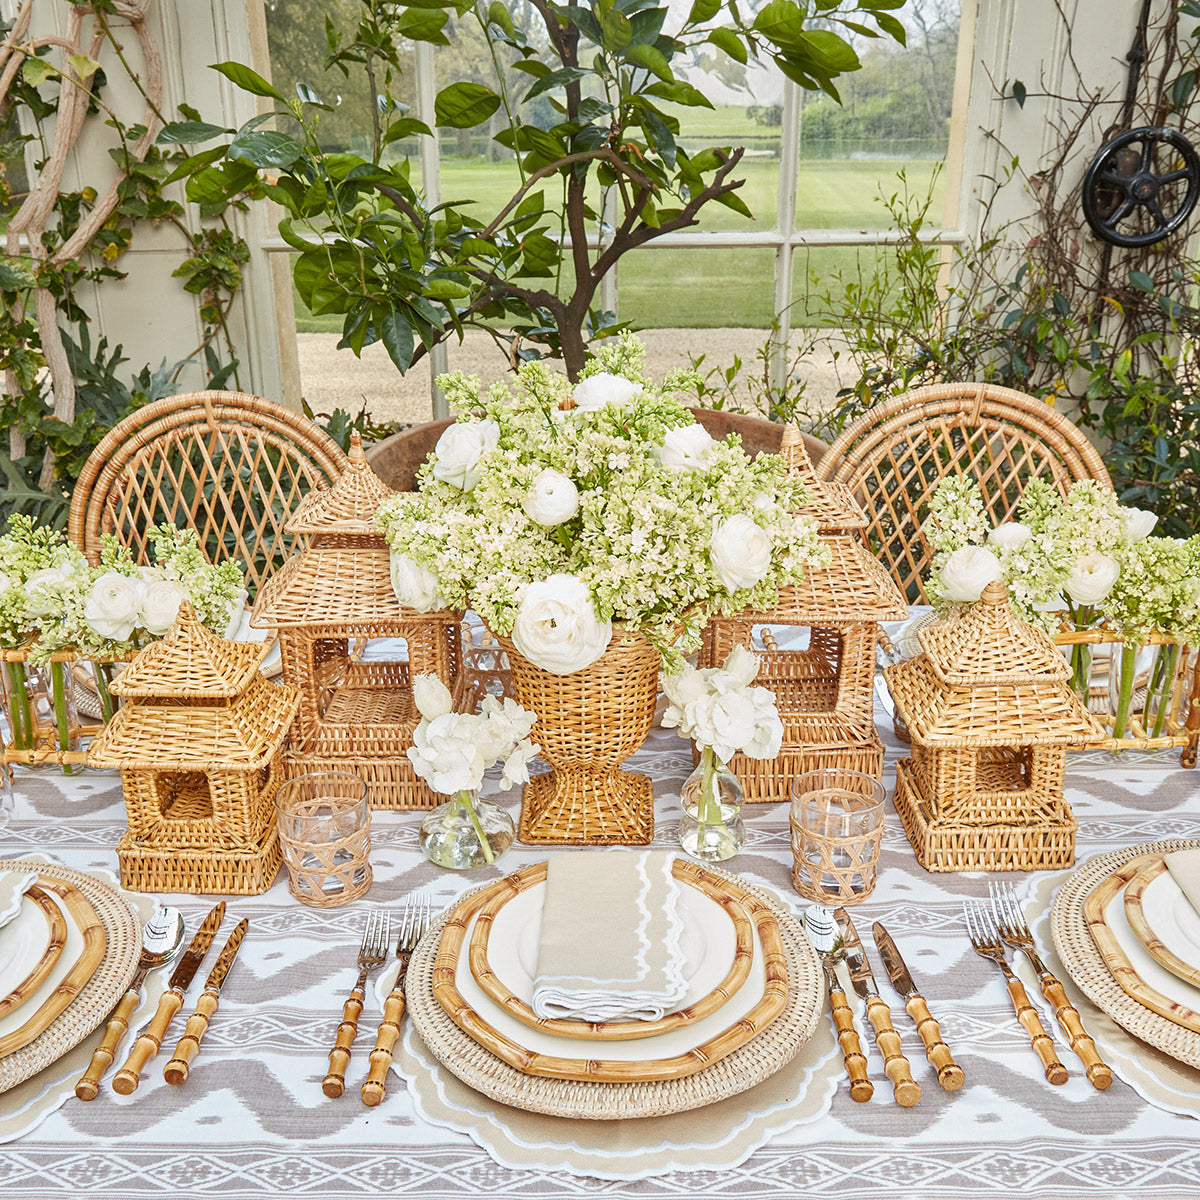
(197, 741)
(825, 690)
(349, 646)
(991, 717)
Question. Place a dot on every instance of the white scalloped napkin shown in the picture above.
(1184, 866)
(13, 885)
(610, 942)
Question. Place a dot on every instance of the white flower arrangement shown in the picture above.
(452, 751)
(610, 484)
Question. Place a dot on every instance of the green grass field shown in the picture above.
(720, 287)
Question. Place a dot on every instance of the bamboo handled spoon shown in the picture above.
(161, 940)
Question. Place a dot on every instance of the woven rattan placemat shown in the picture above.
(1081, 958)
(760, 1058)
(100, 994)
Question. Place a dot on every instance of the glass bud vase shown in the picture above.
(466, 832)
(711, 828)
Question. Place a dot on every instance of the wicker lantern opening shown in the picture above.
(183, 795)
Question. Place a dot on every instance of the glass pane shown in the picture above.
(698, 288)
(895, 114)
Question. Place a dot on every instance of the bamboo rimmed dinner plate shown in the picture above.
(1164, 921)
(673, 1055)
(83, 954)
(38, 938)
(720, 971)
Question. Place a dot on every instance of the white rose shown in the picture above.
(1092, 579)
(415, 585)
(967, 572)
(1010, 535)
(431, 696)
(446, 754)
(112, 607)
(602, 389)
(557, 628)
(1139, 523)
(552, 499)
(740, 552)
(160, 605)
(40, 600)
(686, 448)
(459, 450)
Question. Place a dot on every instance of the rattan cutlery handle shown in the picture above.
(339, 1056)
(125, 1081)
(905, 1088)
(861, 1088)
(1099, 1073)
(176, 1071)
(949, 1073)
(374, 1090)
(89, 1085)
(1027, 1015)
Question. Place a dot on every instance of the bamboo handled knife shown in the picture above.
(125, 1081)
(905, 1088)
(949, 1073)
(176, 1071)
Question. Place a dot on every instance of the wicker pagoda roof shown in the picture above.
(241, 734)
(191, 663)
(972, 687)
(831, 505)
(853, 587)
(346, 508)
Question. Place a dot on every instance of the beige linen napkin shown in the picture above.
(1184, 866)
(610, 942)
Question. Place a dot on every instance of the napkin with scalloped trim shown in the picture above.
(1184, 866)
(13, 885)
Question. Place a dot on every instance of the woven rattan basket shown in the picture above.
(588, 723)
(328, 604)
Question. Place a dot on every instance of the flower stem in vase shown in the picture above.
(1168, 660)
(62, 717)
(711, 828)
(103, 676)
(20, 716)
(1127, 668)
(463, 800)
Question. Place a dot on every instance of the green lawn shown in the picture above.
(690, 288)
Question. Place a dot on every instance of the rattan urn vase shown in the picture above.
(589, 722)
(991, 716)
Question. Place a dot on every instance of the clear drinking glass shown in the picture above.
(836, 820)
(325, 833)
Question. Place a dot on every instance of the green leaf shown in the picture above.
(727, 40)
(616, 32)
(405, 127)
(555, 79)
(651, 59)
(679, 92)
(14, 275)
(1019, 93)
(37, 70)
(446, 289)
(891, 26)
(397, 335)
(659, 135)
(182, 132)
(703, 10)
(421, 25)
(264, 148)
(498, 15)
(734, 201)
(1141, 281)
(1182, 88)
(463, 105)
(194, 163)
(83, 66)
(247, 80)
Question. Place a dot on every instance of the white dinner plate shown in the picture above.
(26, 948)
(1169, 916)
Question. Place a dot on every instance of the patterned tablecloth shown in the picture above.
(252, 1120)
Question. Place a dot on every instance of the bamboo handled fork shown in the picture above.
(371, 954)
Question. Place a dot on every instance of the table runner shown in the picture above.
(252, 1121)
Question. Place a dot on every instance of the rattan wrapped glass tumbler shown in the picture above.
(836, 820)
(325, 832)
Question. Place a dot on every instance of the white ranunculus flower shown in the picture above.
(557, 628)
(1092, 579)
(415, 586)
(603, 389)
(39, 590)
(740, 551)
(112, 607)
(160, 605)
(552, 499)
(1010, 535)
(967, 572)
(687, 448)
(459, 450)
(431, 696)
(446, 754)
(1139, 522)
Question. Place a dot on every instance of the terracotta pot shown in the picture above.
(588, 723)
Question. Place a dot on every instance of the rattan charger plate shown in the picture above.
(1085, 964)
(723, 893)
(740, 1070)
(105, 986)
